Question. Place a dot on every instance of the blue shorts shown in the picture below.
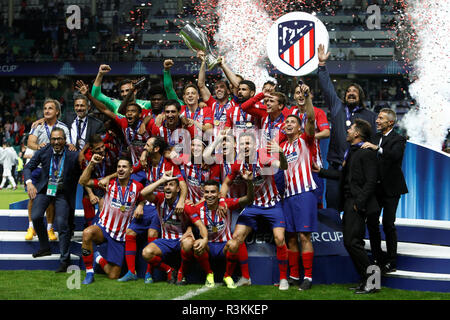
(274, 215)
(149, 220)
(115, 250)
(168, 246)
(216, 249)
(318, 192)
(300, 211)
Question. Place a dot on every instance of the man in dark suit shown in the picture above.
(81, 125)
(358, 179)
(58, 181)
(81, 128)
(390, 147)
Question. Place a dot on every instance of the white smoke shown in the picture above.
(241, 38)
(428, 124)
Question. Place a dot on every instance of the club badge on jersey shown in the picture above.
(293, 41)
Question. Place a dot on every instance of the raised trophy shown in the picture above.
(196, 40)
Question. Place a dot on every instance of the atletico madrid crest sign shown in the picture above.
(292, 43)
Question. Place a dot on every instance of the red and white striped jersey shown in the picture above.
(320, 124)
(155, 173)
(180, 138)
(238, 187)
(135, 141)
(219, 229)
(196, 176)
(172, 225)
(202, 115)
(266, 192)
(112, 218)
(239, 121)
(298, 176)
(219, 113)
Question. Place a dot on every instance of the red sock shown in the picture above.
(307, 258)
(156, 261)
(186, 257)
(149, 266)
(293, 257)
(282, 257)
(88, 261)
(130, 252)
(89, 210)
(243, 260)
(203, 260)
(231, 261)
(102, 262)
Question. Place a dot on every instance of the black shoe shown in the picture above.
(173, 277)
(62, 268)
(365, 290)
(293, 282)
(42, 253)
(359, 286)
(388, 267)
(306, 285)
(181, 282)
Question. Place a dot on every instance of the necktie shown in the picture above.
(80, 123)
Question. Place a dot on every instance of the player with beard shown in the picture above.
(122, 197)
(175, 130)
(108, 165)
(267, 202)
(222, 101)
(201, 117)
(322, 131)
(174, 226)
(148, 222)
(343, 114)
(125, 86)
(237, 119)
(130, 125)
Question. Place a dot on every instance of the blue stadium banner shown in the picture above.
(77, 68)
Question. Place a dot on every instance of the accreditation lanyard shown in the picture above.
(359, 144)
(130, 137)
(169, 211)
(212, 221)
(158, 170)
(348, 122)
(56, 167)
(198, 173)
(271, 124)
(253, 168)
(123, 197)
(188, 113)
(219, 111)
(48, 130)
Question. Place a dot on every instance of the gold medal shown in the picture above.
(249, 124)
(214, 229)
(216, 123)
(122, 208)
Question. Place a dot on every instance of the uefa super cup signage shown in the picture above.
(196, 40)
(293, 41)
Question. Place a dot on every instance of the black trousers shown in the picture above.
(354, 228)
(389, 207)
(332, 193)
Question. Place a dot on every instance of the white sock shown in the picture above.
(97, 260)
(90, 270)
(49, 226)
(310, 279)
(30, 224)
